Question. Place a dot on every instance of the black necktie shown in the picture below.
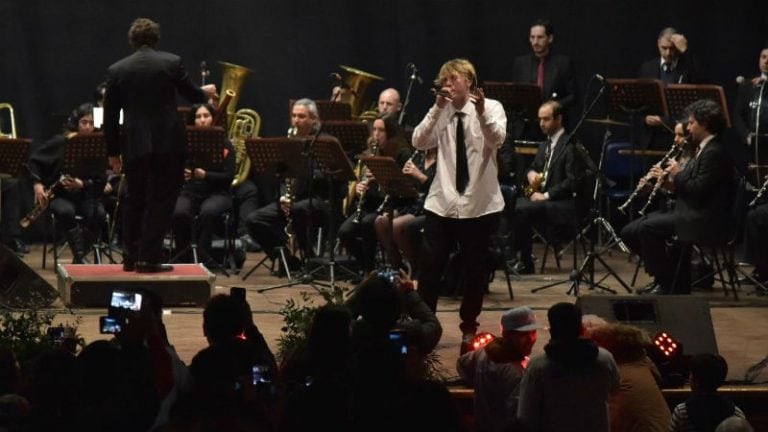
(666, 72)
(462, 168)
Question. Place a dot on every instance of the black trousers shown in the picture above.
(267, 224)
(756, 238)
(543, 215)
(360, 239)
(68, 205)
(208, 209)
(651, 238)
(245, 201)
(152, 185)
(11, 207)
(472, 235)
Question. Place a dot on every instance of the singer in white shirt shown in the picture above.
(462, 206)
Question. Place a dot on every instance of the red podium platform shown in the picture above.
(90, 285)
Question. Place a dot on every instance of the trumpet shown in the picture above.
(39, 208)
(671, 154)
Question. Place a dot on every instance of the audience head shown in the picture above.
(330, 328)
(389, 101)
(222, 319)
(708, 372)
(704, 118)
(379, 303)
(541, 35)
(519, 328)
(10, 374)
(144, 32)
(626, 343)
(97, 363)
(564, 321)
(734, 424)
(304, 116)
(201, 115)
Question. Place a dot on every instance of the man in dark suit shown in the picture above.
(552, 203)
(552, 72)
(753, 93)
(152, 144)
(674, 65)
(703, 212)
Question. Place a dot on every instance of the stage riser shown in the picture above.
(85, 290)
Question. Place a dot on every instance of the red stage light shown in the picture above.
(481, 340)
(666, 344)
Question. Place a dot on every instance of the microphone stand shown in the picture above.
(407, 100)
(757, 132)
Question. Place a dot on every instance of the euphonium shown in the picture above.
(12, 134)
(246, 125)
(672, 151)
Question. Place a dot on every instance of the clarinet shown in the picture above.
(361, 199)
(623, 208)
(38, 209)
(759, 193)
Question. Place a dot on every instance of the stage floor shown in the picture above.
(741, 327)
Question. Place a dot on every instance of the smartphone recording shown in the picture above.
(126, 300)
(109, 325)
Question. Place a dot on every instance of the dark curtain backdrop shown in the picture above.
(55, 52)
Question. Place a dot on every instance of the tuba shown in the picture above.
(233, 77)
(358, 82)
(12, 120)
(240, 124)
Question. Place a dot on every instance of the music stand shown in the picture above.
(204, 150)
(85, 156)
(520, 99)
(13, 154)
(282, 158)
(352, 134)
(329, 110)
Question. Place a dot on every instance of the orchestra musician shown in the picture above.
(674, 65)
(357, 233)
(553, 177)
(205, 194)
(751, 100)
(552, 72)
(75, 196)
(407, 216)
(702, 213)
(151, 146)
(267, 223)
(464, 200)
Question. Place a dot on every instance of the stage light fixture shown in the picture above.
(481, 340)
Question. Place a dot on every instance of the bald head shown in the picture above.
(389, 101)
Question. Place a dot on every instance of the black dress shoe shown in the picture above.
(19, 246)
(129, 266)
(524, 268)
(147, 267)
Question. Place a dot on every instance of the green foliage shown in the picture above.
(25, 331)
(297, 317)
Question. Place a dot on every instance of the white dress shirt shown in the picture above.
(483, 135)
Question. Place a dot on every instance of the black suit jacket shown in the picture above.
(704, 189)
(559, 81)
(564, 169)
(687, 70)
(144, 85)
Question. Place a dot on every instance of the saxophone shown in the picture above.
(39, 208)
(536, 186)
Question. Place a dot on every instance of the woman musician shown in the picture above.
(72, 195)
(408, 216)
(205, 193)
(390, 141)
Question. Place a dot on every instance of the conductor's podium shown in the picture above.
(91, 285)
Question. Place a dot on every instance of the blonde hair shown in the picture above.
(626, 343)
(457, 66)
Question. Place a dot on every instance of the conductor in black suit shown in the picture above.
(703, 209)
(152, 143)
(674, 65)
(552, 202)
(552, 72)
